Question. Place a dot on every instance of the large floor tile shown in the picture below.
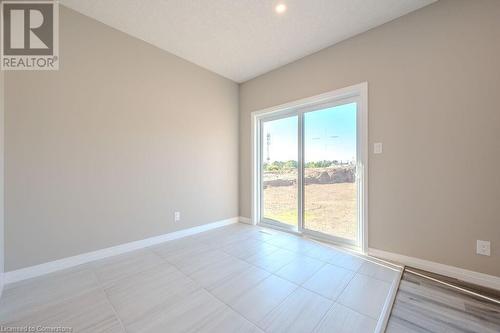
(341, 319)
(274, 261)
(248, 248)
(211, 234)
(347, 261)
(89, 312)
(330, 281)
(299, 313)
(28, 296)
(265, 234)
(226, 235)
(257, 302)
(365, 295)
(297, 244)
(300, 269)
(117, 267)
(321, 252)
(189, 262)
(186, 314)
(280, 238)
(181, 249)
(229, 239)
(147, 292)
(292, 243)
(218, 272)
(227, 321)
(230, 289)
(379, 271)
(180, 244)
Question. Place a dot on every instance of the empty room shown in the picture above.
(295, 166)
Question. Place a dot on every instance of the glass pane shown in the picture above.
(279, 170)
(330, 191)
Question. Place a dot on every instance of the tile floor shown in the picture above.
(237, 278)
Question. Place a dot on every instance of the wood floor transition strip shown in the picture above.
(426, 304)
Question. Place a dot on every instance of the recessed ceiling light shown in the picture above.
(280, 8)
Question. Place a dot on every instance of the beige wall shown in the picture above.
(104, 150)
(2, 246)
(434, 101)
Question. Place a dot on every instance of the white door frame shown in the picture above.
(359, 93)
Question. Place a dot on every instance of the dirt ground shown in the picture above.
(330, 208)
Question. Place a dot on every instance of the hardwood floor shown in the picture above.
(423, 305)
(237, 278)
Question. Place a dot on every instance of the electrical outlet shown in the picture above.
(177, 216)
(483, 248)
(377, 148)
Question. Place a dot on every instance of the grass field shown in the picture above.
(330, 208)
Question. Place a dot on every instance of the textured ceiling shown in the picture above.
(241, 39)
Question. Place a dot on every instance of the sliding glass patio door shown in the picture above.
(309, 163)
(330, 186)
(279, 183)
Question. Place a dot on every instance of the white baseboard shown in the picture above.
(465, 275)
(245, 220)
(53, 266)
